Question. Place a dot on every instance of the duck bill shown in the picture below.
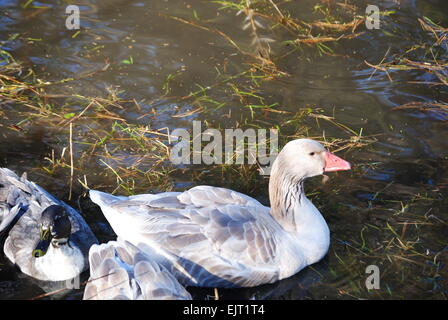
(334, 163)
(42, 245)
(41, 248)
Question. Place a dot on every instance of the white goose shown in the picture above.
(46, 238)
(216, 237)
(119, 270)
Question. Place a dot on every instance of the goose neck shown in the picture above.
(286, 195)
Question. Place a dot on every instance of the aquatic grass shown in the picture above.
(428, 56)
(397, 244)
(85, 141)
(332, 24)
(262, 65)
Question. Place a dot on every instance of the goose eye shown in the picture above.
(311, 153)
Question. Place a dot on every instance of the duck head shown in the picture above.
(55, 229)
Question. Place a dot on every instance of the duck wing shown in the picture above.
(12, 202)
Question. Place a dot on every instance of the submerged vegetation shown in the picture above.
(135, 154)
(112, 140)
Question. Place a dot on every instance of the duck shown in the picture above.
(216, 237)
(120, 271)
(46, 238)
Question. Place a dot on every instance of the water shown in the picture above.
(399, 182)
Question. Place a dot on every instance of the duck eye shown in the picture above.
(311, 153)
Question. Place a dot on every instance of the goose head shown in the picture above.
(55, 230)
(298, 160)
(304, 158)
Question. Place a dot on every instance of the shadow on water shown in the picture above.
(293, 288)
(389, 211)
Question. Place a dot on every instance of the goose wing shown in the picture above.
(119, 270)
(220, 237)
(109, 279)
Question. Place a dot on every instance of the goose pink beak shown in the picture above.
(334, 163)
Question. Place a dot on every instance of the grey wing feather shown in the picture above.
(157, 283)
(108, 279)
(115, 275)
(220, 237)
(207, 196)
(7, 215)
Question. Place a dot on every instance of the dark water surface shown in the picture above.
(398, 183)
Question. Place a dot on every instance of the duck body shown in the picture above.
(119, 270)
(59, 264)
(22, 204)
